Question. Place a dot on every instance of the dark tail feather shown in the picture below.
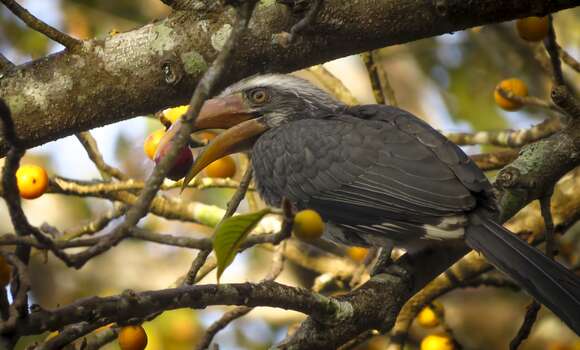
(546, 280)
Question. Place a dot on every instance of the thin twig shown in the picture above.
(95, 225)
(494, 160)
(446, 327)
(530, 101)
(552, 48)
(306, 21)
(369, 61)
(19, 307)
(529, 319)
(562, 94)
(240, 311)
(386, 87)
(71, 333)
(569, 60)
(508, 138)
(102, 338)
(545, 203)
(233, 205)
(40, 26)
(90, 145)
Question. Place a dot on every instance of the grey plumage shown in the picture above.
(378, 174)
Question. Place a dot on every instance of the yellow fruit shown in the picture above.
(172, 114)
(32, 181)
(151, 143)
(532, 28)
(516, 87)
(436, 342)
(132, 338)
(308, 225)
(222, 168)
(357, 254)
(427, 318)
(4, 272)
(207, 136)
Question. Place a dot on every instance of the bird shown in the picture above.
(378, 175)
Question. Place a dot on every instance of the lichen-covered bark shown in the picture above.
(158, 65)
(539, 165)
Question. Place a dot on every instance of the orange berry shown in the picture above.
(308, 225)
(428, 318)
(207, 136)
(516, 87)
(4, 272)
(32, 181)
(357, 254)
(222, 168)
(437, 342)
(532, 28)
(172, 114)
(132, 338)
(151, 143)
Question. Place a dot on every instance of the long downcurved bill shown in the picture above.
(231, 113)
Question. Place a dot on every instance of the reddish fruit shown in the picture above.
(184, 159)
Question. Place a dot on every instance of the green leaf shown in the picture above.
(229, 235)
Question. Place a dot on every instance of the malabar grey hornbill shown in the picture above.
(376, 174)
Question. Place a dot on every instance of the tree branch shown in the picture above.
(159, 64)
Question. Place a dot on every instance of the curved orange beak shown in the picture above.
(243, 128)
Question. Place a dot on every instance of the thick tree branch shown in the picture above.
(159, 64)
(139, 305)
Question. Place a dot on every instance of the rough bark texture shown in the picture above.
(158, 65)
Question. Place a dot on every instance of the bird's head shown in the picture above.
(252, 106)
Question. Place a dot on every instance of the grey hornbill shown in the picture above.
(376, 174)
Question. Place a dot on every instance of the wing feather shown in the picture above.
(373, 170)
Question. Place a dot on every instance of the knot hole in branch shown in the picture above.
(172, 70)
(441, 7)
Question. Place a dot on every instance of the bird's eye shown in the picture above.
(258, 96)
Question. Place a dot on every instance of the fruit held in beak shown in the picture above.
(184, 159)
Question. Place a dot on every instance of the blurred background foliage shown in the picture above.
(447, 80)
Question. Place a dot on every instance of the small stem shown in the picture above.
(40, 26)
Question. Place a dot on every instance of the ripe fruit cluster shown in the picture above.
(132, 338)
(514, 86)
(308, 225)
(32, 181)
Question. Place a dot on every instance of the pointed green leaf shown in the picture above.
(229, 235)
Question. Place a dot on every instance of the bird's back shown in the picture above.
(374, 171)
